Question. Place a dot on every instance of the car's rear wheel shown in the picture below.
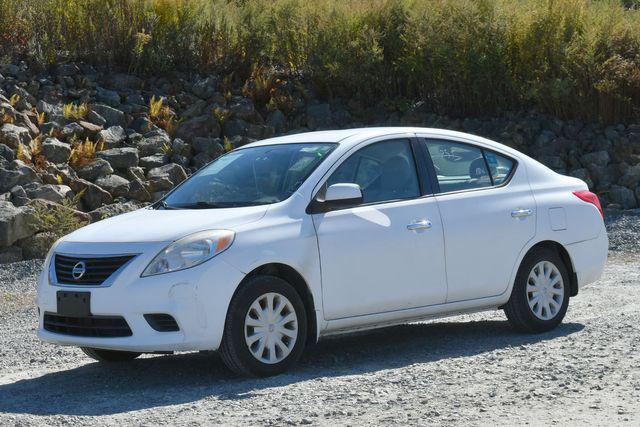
(109, 355)
(266, 328)
(540, 294)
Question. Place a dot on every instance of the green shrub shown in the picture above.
(571, 58)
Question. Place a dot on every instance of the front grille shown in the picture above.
(90, 326)
(96, 270)
(162, 322)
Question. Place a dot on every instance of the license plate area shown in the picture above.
(74, 304)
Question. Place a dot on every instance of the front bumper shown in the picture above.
(197, 298)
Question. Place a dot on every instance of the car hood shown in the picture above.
(150, 225)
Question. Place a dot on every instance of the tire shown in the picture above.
(523, 313)
(247, 347)
(109, 355)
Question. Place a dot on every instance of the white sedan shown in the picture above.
(283, 241)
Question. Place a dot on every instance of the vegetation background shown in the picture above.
(570, 58)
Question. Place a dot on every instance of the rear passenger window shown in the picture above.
(458, 166)
(463, 166)
(499, 166)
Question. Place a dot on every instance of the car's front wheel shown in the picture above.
(266, 328)
(109, 355)
(540, 294)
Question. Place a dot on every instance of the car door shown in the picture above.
(488, 214)
(387, 253)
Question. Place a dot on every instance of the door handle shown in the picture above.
(424, 224)
(521, 213)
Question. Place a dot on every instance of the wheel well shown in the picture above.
(295, 279)
(564, 255)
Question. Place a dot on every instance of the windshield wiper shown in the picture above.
(202, 205)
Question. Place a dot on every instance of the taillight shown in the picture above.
(589, 197)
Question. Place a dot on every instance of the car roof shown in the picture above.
(351, 137)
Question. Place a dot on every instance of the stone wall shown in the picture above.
(90, 141)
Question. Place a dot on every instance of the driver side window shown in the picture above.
(384, 171)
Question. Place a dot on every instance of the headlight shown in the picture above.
(190, 251)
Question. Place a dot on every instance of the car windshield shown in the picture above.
(249, 176)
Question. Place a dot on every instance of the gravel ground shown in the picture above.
(466, 370)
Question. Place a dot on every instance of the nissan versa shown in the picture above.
(286, 240)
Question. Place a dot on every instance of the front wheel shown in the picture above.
(540, 295)
(109, 355)
(266, 328)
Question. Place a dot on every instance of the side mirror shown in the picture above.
(336, 196)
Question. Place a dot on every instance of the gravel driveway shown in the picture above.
(465, 370)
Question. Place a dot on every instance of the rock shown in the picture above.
(96, 119)
(180, 160)
(622, 196)
(196, 109)
(112, 116)
(112, 137)
(210, 146)
(52, 112)
(24, 120)
(138, 191)
(319, 116)
(72, 129)
(56, 151)
(50, 128)
(107, 96)
(277, 120)
(243, 109)
(582, 174)
(53, 193)
(13, 135)
(200, 160)
(179, 147)
(154, 161)
(205, 125)
(7, 153)
(124, 81)
(233, 127)
(120, 158)
(38, 245)
(135, 99)
(159, 184)
(154, 142)
(114, 184)
(92, 196)
(90, 128)
(108, 211)
(10, 254)
(175, 173)
(600, 158)
(95, 169)
(82, 217)
(66, 70)
(19, 175)
(15, 223)
(19, 196)
(143, 125)
(260, 131)
(631, 177)
(205, 88)
(136, 172)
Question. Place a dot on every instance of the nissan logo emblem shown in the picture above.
(78, 270)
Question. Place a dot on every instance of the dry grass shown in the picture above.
(572, 58)
(84, 152)
(75, 112)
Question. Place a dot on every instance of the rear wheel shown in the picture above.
(109, 355)
(266, 328)
(540, 294)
